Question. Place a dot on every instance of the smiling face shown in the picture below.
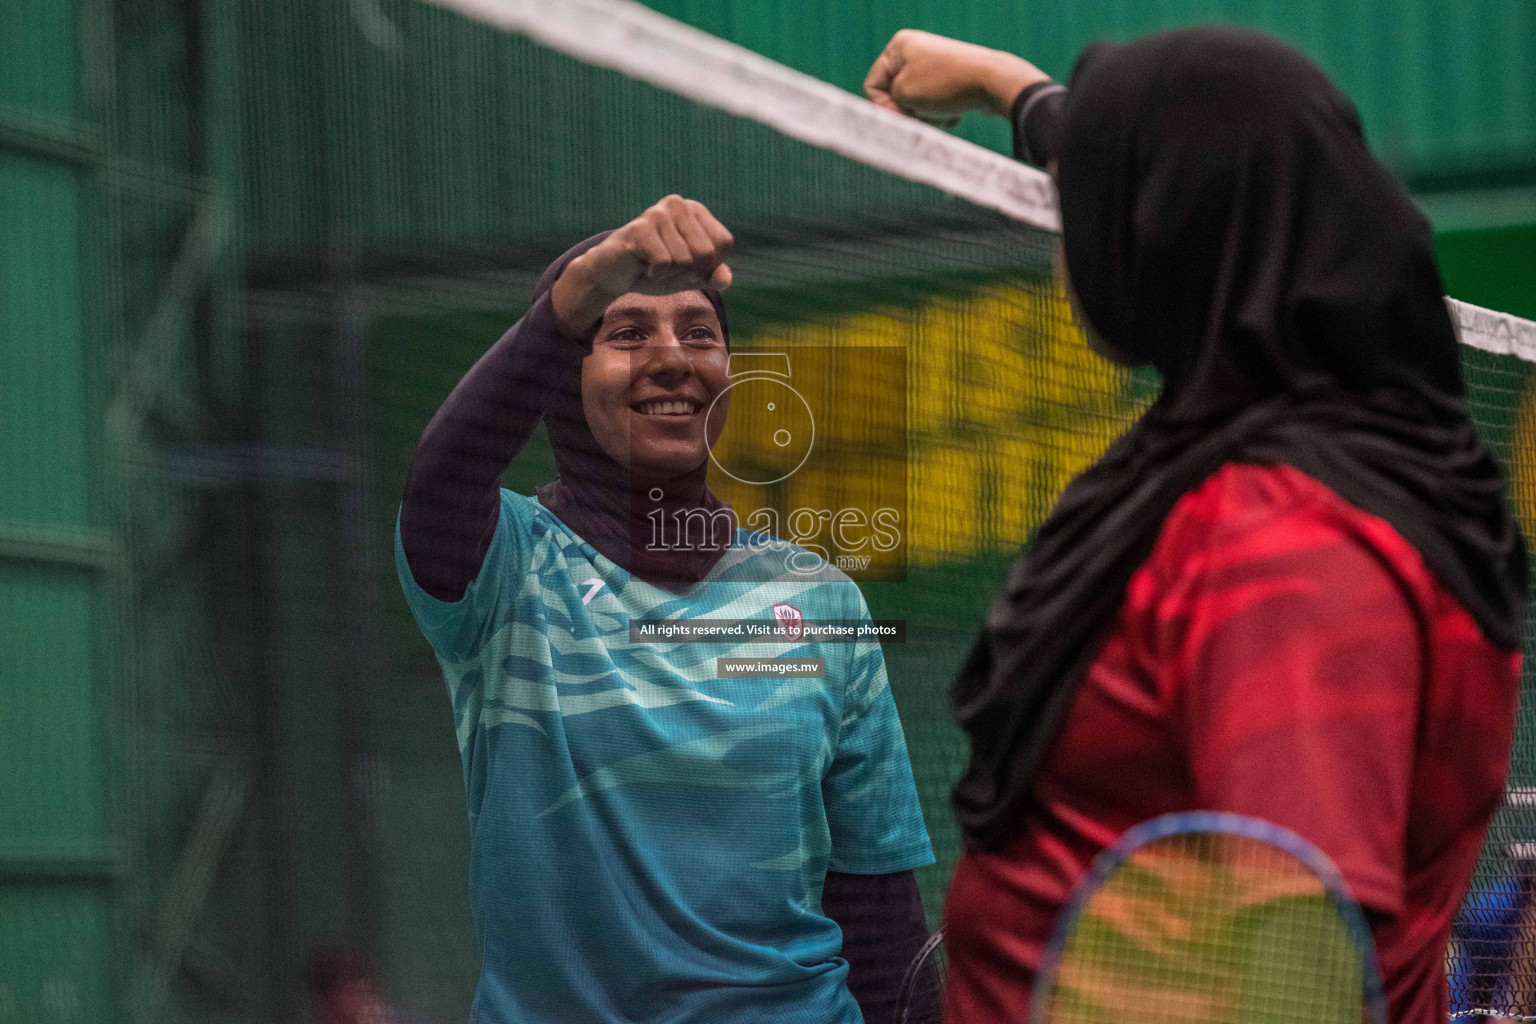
(657, 362)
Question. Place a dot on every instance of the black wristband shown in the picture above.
(1036, 116)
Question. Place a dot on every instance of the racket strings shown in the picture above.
(1209, 929)
(921, 1000)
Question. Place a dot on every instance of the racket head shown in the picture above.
(921, 999)
(1206, 917)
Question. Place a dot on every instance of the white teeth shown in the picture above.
(667, 408)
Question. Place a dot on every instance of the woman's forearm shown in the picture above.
(883, 926)
(452, 494)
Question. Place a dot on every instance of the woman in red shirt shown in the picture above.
(1292, 589)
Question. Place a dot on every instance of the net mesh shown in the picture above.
(360, 198)
(1004, 402)
(1492, 960)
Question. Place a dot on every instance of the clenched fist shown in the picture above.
(675, 246)
(936, 79)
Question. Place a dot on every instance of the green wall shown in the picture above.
(465, 143)
(1439, 85)
(57, 854)
(1493, 267)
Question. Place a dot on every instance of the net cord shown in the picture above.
(1492, 331)
(630, 38)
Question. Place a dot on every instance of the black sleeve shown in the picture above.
(883, 930)
(1036, 118)
(452, 497)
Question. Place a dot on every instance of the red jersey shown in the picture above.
(1280, 654)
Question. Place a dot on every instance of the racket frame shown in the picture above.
(909, 977)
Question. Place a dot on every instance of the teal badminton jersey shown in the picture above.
(649, 842)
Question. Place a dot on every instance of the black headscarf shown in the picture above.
(610, 507)
(1224, 222)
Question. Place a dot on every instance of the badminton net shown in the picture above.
(877, 254)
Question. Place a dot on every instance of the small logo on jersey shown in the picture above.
(791, 624)
(593, 585)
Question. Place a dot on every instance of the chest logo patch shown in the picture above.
(593, 585)
(791, 623)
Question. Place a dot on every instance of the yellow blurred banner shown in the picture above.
(942, 430)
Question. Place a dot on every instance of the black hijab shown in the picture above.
(611, 508)
(1224, 222)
